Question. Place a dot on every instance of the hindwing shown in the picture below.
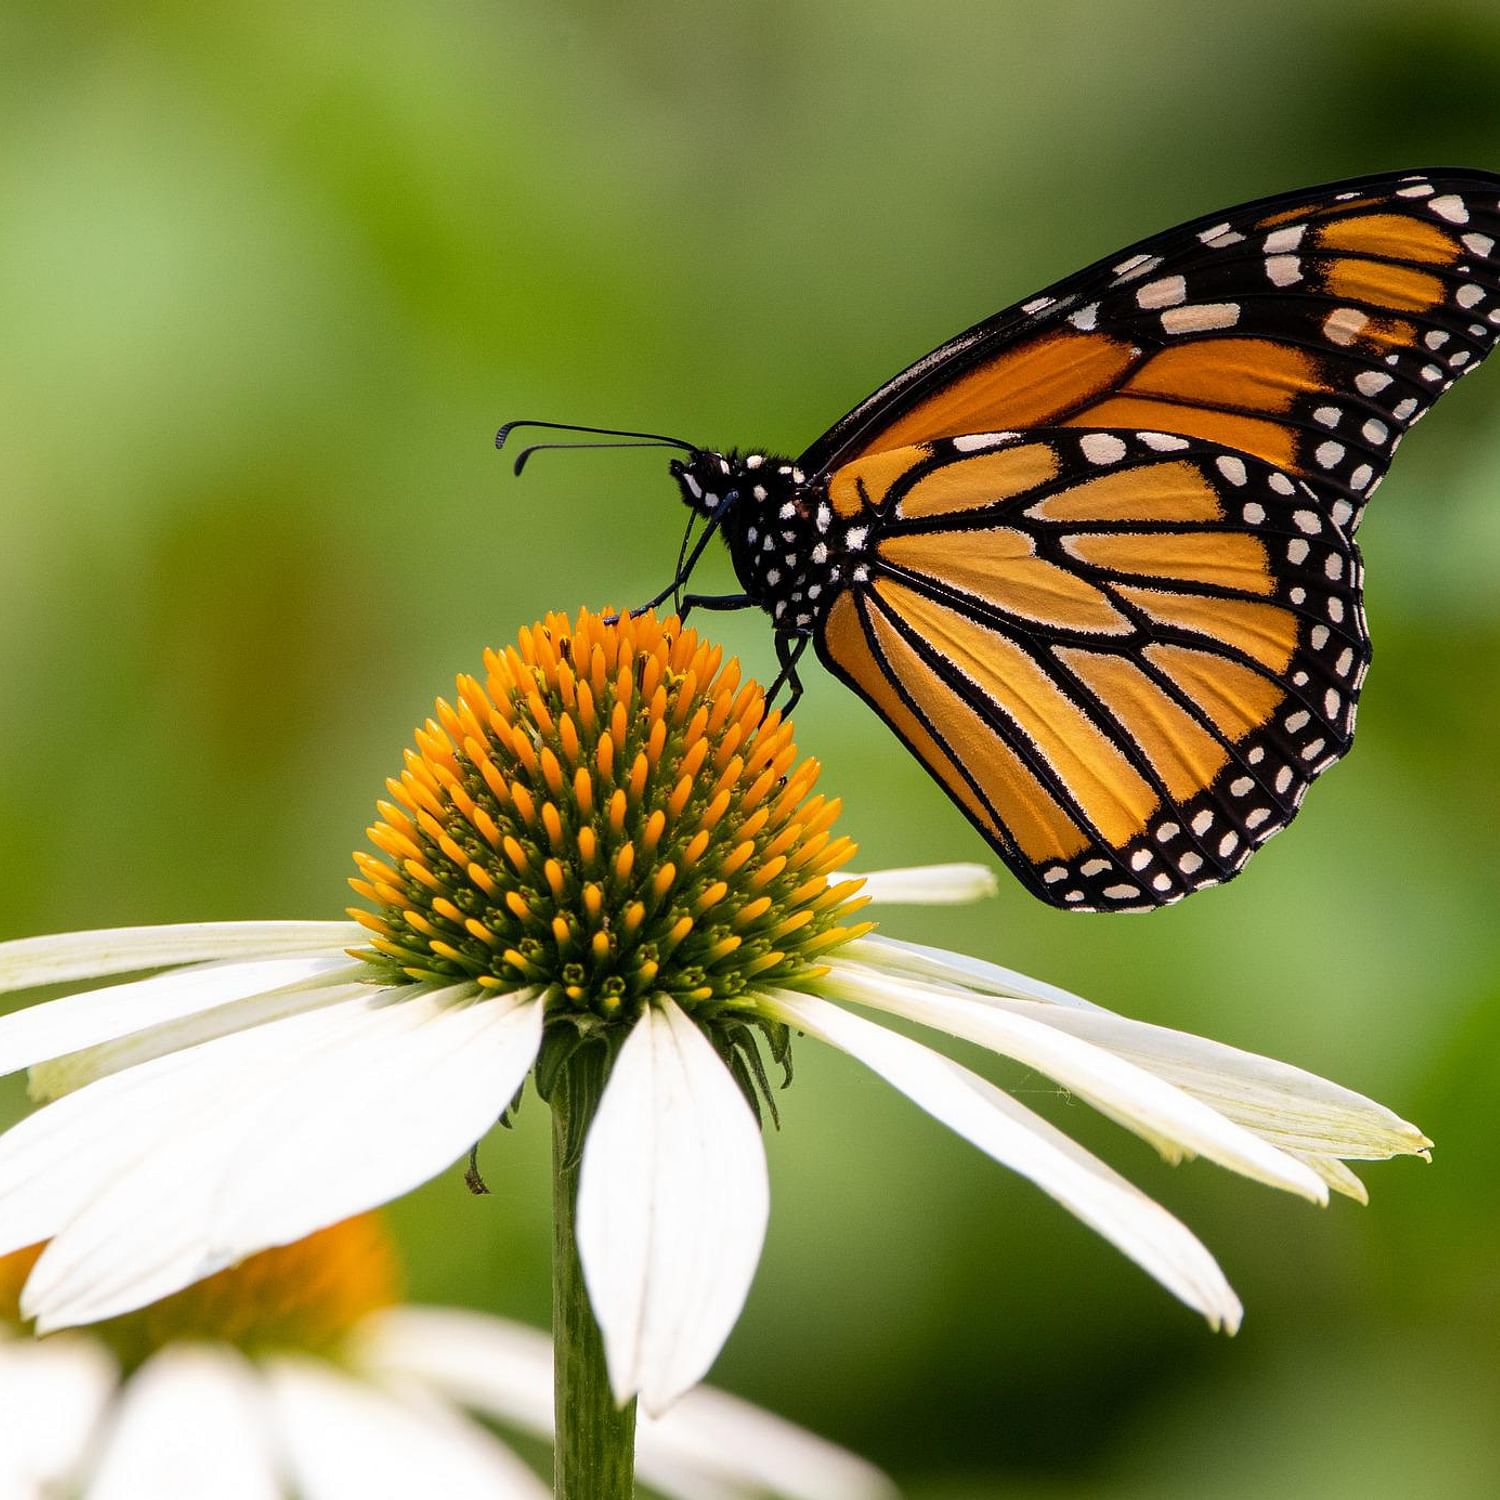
(1124, 653)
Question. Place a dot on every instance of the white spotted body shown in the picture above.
(790, 553)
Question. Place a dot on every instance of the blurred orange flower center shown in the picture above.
(306, 1295)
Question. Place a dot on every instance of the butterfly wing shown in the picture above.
(1308, 330)
(1125, 654)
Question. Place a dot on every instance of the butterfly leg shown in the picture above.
(712, 601)
(789, 649)
(686, 562)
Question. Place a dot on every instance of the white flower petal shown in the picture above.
(1135, 1097)
(55, 1162)
(1294, 1109)
(134, 1159)
(1026, 1143)
(500, 1368)
(192, 1423)
(55, 1027)
(708, 1444)
(26, 963)
(348, 1441)
(371, 1127)
(62, 1075)
(892, 956)
(673, 1199)
(306, 1121)
(712, 1433)
(928, 885)
(1336, 1175)
(52, 1399)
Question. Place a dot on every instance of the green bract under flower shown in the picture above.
(610, 815)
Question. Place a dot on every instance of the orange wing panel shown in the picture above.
(1265, 632)
(874, 475)
(1040, 828)
(973, 483)
(1398, 236)
(1235, 698)
(1268, 440)
(1165, 492)
(1185, 756)
(1022, 387)
(1227, 559)
(1253, 374)
(1109, 791)
(1384, 285)
(845, 641)
(1001, 567)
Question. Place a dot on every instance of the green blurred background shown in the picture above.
(270, 275)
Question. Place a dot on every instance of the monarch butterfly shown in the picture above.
(1093, 559)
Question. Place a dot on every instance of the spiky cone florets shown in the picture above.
(611, 814)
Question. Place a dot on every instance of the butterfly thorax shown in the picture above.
(788, 548)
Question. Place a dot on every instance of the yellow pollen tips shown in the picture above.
(304, 1296)
(609, 812)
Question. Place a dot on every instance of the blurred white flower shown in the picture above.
(607, 846)
(300, 1373)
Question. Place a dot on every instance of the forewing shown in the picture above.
(1309, 330)
(1125, 654)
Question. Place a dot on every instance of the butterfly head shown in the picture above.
(712, 483)
(709, 481)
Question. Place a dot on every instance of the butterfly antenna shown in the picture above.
(526, 453)
(621, 432)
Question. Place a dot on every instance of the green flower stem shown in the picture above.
(594, 1457)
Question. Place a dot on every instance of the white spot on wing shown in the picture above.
(1137, 265)
(1167, 292)
(1201, 317)
(971, 442)
(1102, 448)
(1343, 325)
